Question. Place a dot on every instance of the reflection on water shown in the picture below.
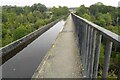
(24, 63)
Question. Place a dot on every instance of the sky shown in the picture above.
(51, 3)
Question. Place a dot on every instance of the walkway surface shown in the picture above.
(63, 59)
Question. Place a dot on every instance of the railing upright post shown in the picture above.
(97, 53)
(77, 28)
(78, 25)
(84, 46)
(90, 48)
(108, 48)
(80, 39)
(82, 43)
(87, 49)
(92, 53)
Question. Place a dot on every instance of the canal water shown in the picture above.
(24, 63)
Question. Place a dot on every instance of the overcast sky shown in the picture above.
(51, 3)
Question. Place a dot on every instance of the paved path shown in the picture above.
(62, 60)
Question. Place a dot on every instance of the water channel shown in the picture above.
(24, 63)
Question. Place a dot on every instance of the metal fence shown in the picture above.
(90, 35)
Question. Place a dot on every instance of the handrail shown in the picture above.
(89, 37)
(112, 36)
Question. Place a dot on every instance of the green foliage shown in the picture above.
(101, 54)
(0, 43)
(19, 32)
(114, 29)
(39, 7)
(108, 19)
(100, 14)
(82, 10)
(20, 21)
(39, 23)
(101, 59)
(86, 16)
(58, 12)
(100, 20)
(0, 33)
(8, 39)
(30, 17)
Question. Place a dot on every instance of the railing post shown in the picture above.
(80, 41)
(97, 53)
(84, 47)
(78, 26)
(82, 44)
(108, 49)
(92, 53)
(78, 29)
(89, 51)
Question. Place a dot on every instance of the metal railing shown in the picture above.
(89, 37)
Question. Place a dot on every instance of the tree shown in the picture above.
(60, 11)
(39, 7)
(100, 19)
(20, 32)
(26, 10)
(108, 19)
(19, 21)
(56, 11)
(86, 16)
(30, 17)
(7, 39)
(65, 10)
(82, 10)
(39, 23)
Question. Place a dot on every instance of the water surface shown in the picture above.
(24, 63)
